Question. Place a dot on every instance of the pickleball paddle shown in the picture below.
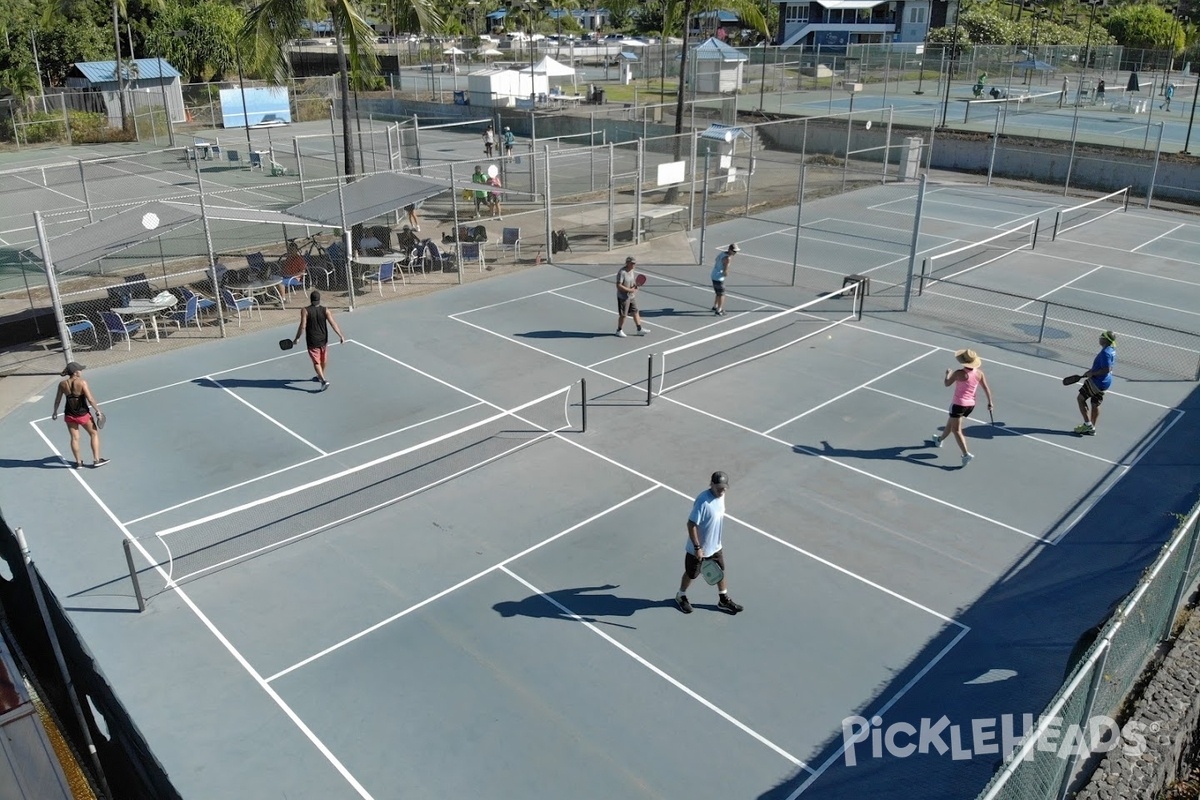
(711, 571)
(1070, 379)
(286, 344)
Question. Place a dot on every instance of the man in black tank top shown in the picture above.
(315, 322)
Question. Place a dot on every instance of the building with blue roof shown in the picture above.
(92, 86)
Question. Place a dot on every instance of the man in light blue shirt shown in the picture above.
(704, 528)
(1096, 381)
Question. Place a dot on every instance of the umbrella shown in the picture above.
(491, 51)
(453, 51)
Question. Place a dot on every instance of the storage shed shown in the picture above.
(504, 87)
(717, 67)
(93, 86)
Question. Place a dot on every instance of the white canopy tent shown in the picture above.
(552, 69)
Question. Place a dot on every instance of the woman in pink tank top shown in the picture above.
(965, 380)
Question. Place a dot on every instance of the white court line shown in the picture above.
(520, 298)
(895, 485)
(849, 392)
(220, 637)
(607, 311)
(882, 710)
(942, 410)
(1056, 288)
(33, 185)
(500, 565)
(1008, 364)
(711, 706)
(1138, 272)
(1125, 299)
(264, 415)
(1176, 259)
(299, 464)
(1145, 448)
(1156, 238)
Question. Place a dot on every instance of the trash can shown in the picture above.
(599, 97)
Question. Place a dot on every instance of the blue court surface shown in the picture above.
(431, 581)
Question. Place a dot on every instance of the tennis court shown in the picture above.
(434, 580)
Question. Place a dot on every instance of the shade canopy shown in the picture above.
(369, 198)
(551, 68)
(1033, 63)
(132, 226)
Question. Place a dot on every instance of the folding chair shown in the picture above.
(511, 238)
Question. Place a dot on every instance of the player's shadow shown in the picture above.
(564, 335)
(895, 453)
(48, 462)
(589, 603)
(306, 384)
(994, 432)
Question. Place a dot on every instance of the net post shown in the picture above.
(1057, 219)
(1037, 224)
(1125, 206)
(649, 378)
(1042, 326)
(914, 243)
(133, 576)
(583, 392)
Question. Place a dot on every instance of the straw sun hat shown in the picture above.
(968, 358)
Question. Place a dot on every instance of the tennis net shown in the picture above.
(1086, 213)
(1022, 104)
(219, 540)
(961, 260)
(695, 361)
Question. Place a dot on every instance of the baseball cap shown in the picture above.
(630, 260)
(720, 479)
(733, 248)
(72, 368)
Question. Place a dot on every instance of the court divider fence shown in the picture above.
(1043, 767)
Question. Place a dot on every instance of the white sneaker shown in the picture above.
(967, 458)
(621, 333)
(643, 331)
(936, 441)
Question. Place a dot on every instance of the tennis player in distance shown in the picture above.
(315, 322)
(704, 543)
(965, 380)
(1096, 381)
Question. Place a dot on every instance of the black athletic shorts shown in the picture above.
(719, 287)
(961, 411)
(1089, 391)
(691, 564)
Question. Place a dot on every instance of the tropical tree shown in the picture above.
(263, 44)
(198, 38)
(1146, 26)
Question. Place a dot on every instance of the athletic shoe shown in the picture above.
(324, 385)
(100, 463)
(713, 309)
(726, 604)
(716, 312)
(967, 458)
(1085, 429)
(936, 441)
(643, 331)
(621, 333)
(682, 601)
(1091, 431)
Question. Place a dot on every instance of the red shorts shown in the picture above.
(318, 354)
(82, 419)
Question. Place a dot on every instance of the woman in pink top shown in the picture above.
(965, 380)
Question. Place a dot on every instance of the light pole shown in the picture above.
(953, 58)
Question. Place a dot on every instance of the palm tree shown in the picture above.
(262, 43)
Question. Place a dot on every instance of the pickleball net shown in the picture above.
(988, 108)
(1089, 212)
(769, 334)
(961, 260)
(186, 551)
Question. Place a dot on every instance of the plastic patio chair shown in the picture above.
(203, 304)
(118, 328)
(471, 251)
(239, 304)
(511, 238)
(189, 314)
(385, 274)
(81, 323)
(433, 258)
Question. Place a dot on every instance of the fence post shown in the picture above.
(1184, 582)
(299, 166)
(212, 258)
(1071, 159)
(612, 191)
(637, 193)
(916, 236)
(1154, 174)
(887, 142)
(1093, 686)
(749, 173)
(64, 335)
(692, 198)
(549, 210)
(87, 201)
(35, 586)
(992, 156)
(704, 211)
(799, 218)
(454, 213)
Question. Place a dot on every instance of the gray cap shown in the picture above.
(72, 368)
(720, 479)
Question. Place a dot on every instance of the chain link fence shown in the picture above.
(1106, 674)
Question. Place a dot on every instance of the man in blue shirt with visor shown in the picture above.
(1096, 381)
